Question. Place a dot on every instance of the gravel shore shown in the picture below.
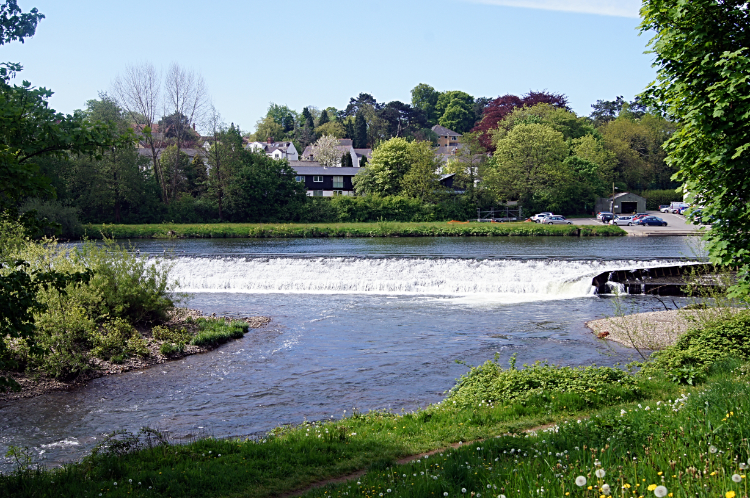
(654, 330)
(32, 386)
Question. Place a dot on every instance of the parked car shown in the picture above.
(637, 216)
(556, 220)
(676, 206)
(622, 220)
(651, 221)
(664, 208)
(600, 213)
(537, 218)
(607, 217)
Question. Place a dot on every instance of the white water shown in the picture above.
(503, 279)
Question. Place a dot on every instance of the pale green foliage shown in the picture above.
(390, 162)
(400, 167)
(331, 128)
(325, 150)
(562, 120)
(528, 159)
(702, 50)
(422, 181)
(590, 148)
(268, 128)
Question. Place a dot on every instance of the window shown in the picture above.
(318, 179)
(338, 182)
(337, 192)
(318, 193)
(299, 178)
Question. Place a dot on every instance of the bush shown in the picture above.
(111, 339)
(656, 198)
(66, 217)
(489, 383)
(214, 332)
(169, 348)
(690, 358)
(65, 333)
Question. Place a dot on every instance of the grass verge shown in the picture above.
(616, 433)
(381, 229)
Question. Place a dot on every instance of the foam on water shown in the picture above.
(504, 280)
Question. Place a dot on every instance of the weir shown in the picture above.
(679, 280)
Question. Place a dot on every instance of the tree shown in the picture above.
(391, 160)
(138, 92)
(222, 157)
(455, 111)
(497, 109)
(326, 151)
(467, 164)
(283, 116)
(346, 161)
(332, 128)
(422, 181)
(402, 119)
(360, 131)
(527, 162)
(425, 97)
(263, 189)
(307, 119)
(268, 129)
(186, 96)
(702, 53)
(323, 118)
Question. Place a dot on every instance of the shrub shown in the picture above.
(111, 338)
(690, 358)
(66, 217)
(656, 198)
(170, 348)
(65, 334)
(490, 383)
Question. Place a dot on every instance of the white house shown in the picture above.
(276, 150)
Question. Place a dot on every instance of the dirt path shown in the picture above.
(401, 461)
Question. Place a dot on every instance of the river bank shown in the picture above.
(318, 230)
(33, 385)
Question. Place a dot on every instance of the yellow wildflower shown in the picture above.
(651, 487)
(730, 494)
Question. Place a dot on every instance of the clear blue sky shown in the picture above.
(322, 53)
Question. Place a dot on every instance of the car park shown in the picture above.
(651, 221)
(556, 220)
(622, 220)
(537, 218)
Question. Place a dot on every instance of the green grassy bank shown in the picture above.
(615, 433)
(381, 229)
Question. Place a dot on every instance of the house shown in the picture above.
(446, 137)
(623, 203)
(275, 150)
(322, 181)
(346, 147)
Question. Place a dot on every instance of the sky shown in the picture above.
(300, 52)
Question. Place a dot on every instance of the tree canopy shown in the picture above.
(702, 51)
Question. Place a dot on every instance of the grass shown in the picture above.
(379, 229)
(616, 433)
(215, 332)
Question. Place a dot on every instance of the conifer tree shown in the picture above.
(360, 131)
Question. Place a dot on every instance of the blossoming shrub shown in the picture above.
(490, 383)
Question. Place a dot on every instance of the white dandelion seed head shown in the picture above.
(600, 473)
(463, 490)
(713, 449)
(580, 481)
(737, 478)
(660, 491)
(606, 489)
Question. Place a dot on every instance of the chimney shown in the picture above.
(270, 140)
(193, 126)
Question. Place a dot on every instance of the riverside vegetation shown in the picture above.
(380, 229)
(122, 316)
(605, 431)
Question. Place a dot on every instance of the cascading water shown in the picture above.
(508, 280)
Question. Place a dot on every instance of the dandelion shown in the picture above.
(652, 487)
(463, 490)
(660, 491)
(600, 473)
(580, 481)
(388, 490)
(730, 494)
(115, 483)
(606, 489)
(712, 449)
(736, 478)
(446, 493)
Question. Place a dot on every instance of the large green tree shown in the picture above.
(702, 50)
(425, 97)
(455, 111)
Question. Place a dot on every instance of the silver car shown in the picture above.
(556, 220)
(622, 220)
(539, 218)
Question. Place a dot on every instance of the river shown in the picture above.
(357, 323)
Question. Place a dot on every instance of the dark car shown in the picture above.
(651, 221)
(607, 217)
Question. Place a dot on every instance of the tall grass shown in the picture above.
(381, 229)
